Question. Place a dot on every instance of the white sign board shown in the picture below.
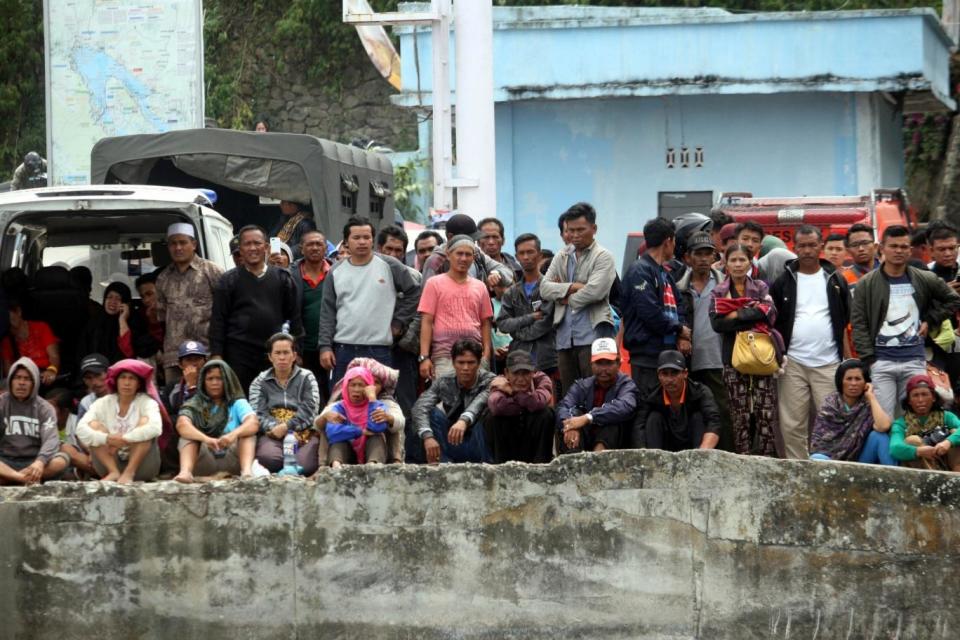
(118, 67)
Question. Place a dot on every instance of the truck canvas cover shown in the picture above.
(282, 166)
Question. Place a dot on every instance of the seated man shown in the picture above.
(679, 414)
(93, 372)
(520, 425)
(286, 398)
(29, 444)
(449, 415)
(597, 411)
(191, 356)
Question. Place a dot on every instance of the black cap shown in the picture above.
(234, 245)
(461, 224)
(699, 240)
(519, 361)
(671, 360)
(94, 363)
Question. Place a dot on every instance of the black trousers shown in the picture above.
(661, 436)
(523, 438)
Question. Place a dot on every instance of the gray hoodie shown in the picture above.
(27, 429)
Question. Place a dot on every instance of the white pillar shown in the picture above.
(442, 138)
(476, 151)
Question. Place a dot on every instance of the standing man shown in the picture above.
(893, 310)
(578, 282)
(944, 249)
(392, 241)
(454, 306)
(491, 243)
(651, 317)
(524, 315)
(862, 247)
(250, 304)
(707, 359)
(750, 235)
(484, 268)
(368, 299)
(309, 273)
(813, 309)
(184, 296)
(678, 414)
(424, 245)
(835, 250)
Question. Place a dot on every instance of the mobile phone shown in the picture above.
(275, 245)
(537, 304)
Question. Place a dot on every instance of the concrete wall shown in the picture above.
(619, 545)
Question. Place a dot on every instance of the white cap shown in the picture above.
(181, 229)
(604, 349)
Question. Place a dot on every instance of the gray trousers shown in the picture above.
(890, 382)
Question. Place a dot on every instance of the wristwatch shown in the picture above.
(422, 358)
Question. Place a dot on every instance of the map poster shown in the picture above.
(118, 67)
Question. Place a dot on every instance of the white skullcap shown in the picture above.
(181, 229)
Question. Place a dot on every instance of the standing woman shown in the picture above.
(926, 436)
(745, 305)
(122, 428)
(851, 424)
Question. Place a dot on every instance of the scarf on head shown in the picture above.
(357, 413)
(286, 231)
(840, 433)
(917, 428)
(203, 411)
(145, 372)
(102, 331)
(386, 376)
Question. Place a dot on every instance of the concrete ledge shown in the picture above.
(632, 544)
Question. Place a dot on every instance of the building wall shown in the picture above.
(626, 544)
(612, 153)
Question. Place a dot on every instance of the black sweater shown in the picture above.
(247, 310)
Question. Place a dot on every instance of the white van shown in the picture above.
(118, 231)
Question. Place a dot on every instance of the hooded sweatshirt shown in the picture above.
(28, 429)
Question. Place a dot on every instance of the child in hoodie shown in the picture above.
(29, 441)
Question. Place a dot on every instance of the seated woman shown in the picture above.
(926, 436)
(217, 426)
(385, 384)
(31, 339)
(286, 399)
(355, 426)
(116, 331)
(122, 428)
(851, 424)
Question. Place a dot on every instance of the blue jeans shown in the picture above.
(347, 352)
(472, 449)
(876, 450)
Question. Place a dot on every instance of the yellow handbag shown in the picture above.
(754, 354)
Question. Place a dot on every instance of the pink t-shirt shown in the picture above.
(457, 310)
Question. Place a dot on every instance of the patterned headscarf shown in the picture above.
(200, 408)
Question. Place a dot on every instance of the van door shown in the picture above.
(216, 235)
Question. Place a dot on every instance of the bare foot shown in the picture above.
(336, 464)
(125, 479)
(113, 476)
(184, 476)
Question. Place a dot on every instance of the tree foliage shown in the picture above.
(22, 113)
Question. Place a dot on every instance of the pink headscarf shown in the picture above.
(356, 413)
(145, 372)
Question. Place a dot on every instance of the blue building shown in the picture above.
(656, 111)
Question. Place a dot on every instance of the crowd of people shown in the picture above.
(306, 356)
